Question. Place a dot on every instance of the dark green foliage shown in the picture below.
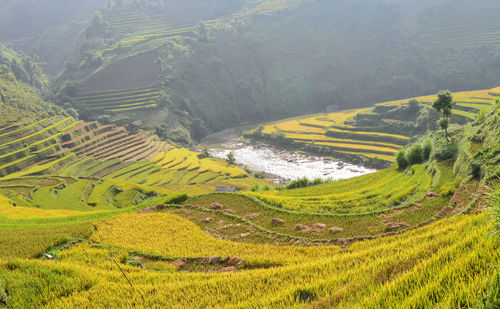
(446, 152)
(231, 160)
(475, 169)
(427, 149)
(305, 295)
(298, 183)
(24, 68)
(415, 154)
(497, 100)
(401, 159)
(444, 104)
(302, 183)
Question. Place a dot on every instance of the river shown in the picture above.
(280, 165)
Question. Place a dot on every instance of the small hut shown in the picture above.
(134, 127)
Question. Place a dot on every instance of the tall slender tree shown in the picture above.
(444, 104)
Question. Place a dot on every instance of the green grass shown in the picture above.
(374, 193)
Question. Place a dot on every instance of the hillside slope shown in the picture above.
(371, 136)
(244, 61)
(125, 237)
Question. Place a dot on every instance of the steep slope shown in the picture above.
(48, 30)
(253, 60)
(121, 241)
(371, 136)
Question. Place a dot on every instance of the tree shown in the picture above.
(231, 160)
(497, 100)
(444, 104)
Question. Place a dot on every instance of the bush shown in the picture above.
(446, 152)
(475, 169)
(415, 154)
(427, 149)
(302, 183)
(299, 183)
(401, 159)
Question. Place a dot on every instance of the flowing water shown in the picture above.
(284, 166)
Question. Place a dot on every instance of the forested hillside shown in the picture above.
(256, 60)
(46, 29)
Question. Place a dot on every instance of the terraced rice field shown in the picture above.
(59, 144)
(445, 264)
(178, 166)
(29, 197)
(334, 132)
(387, 189)
(468, 103)
(480, 29)
(272, 6)
(286, 271)
(179, 20)
(337, 132)
(65, 147)
(120, 101)
(123, 241)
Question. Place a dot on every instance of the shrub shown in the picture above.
(427, 149)
(317, 181)
(298, 183)
(475, 169)
(302, 183)
(446, 152)
(415, 154)
(401, 159)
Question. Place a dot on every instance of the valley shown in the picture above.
(249, 154)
